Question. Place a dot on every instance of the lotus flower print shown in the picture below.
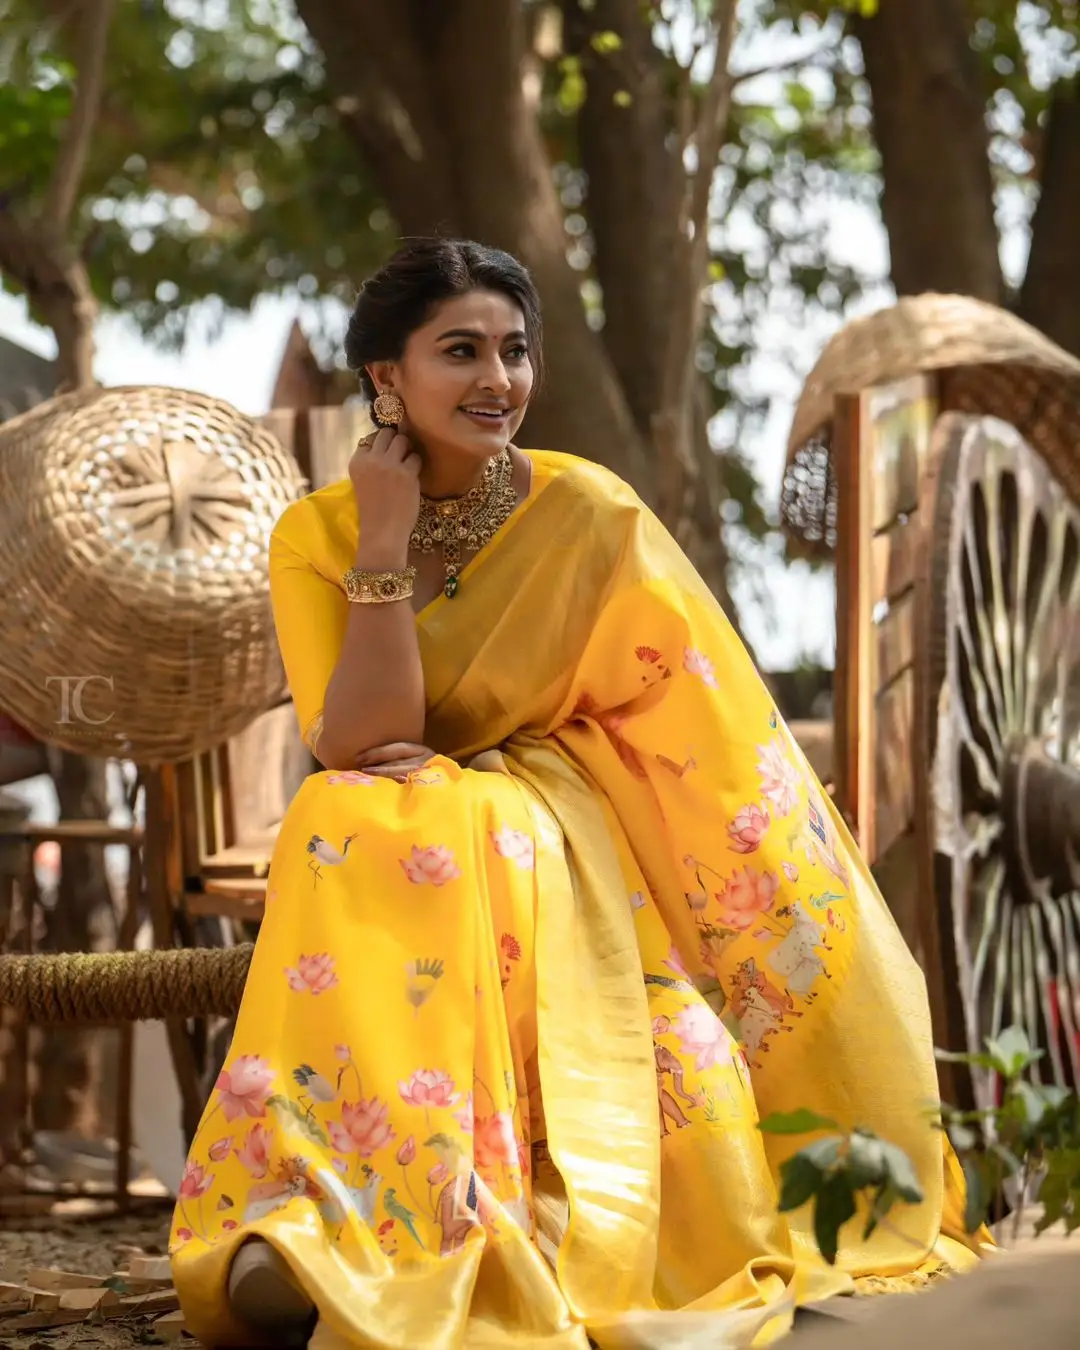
(196, 1181)
(746, 894)
(697, 663)
(703, 1035)
(245, 1087)
(312, 974)
(364, 1128)
(254, 1152)
(779, 777)
(748, 828)
(431, 866)
(515, 847)
(429, 1087)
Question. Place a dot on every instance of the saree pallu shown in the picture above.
(510, 1026)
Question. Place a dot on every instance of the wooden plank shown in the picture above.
(241, 900)
(900, 419)
(192, 844)
(894, 720)
(816, 740)
(332, 436)
(268, 762)
(895, 641)
(290, 428)
(853, 765)
(893, 554)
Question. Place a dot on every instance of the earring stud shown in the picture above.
(388, 410)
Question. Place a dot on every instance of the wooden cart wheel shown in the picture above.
(997, 746)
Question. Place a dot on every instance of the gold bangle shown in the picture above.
(378, 588)
(313, 732)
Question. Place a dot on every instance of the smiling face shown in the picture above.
(465, 377)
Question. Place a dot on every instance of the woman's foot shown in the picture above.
(266, 1296)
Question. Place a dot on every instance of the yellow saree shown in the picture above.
(571, 960)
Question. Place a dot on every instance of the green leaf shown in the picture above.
(962, 1137)
(835, 1205)
(883, 1202)
(795, 1122)
(865, 1160)
(1011, 1052)
(901, 1174)
(622, 98)
(607, 41)
(800, 1179)
(977, 1201)
(305, 1123)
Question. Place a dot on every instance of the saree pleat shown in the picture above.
(562, 971)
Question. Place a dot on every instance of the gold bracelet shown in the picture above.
(378, 588)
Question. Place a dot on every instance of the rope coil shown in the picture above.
(106, 987)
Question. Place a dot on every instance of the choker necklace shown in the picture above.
(470, 520)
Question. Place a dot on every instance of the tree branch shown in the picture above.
(63, 191)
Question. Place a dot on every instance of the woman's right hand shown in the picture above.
(385, 474)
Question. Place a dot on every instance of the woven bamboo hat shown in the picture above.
(134, 602)
(992, 364)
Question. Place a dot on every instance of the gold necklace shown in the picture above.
(471, 520)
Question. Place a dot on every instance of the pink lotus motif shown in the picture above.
(464, 1116)
(245, 1087)
(431, 866)
(312, 974)
(746, 894)
(697, 663)
(407, 1152)
(220, 1148)
(429, 1087)
(254, 1152)
(790, 871)
(779, 777)
(748, 828)
(364, 1129)
(350, 778)
(195, 1181)
(516, 847)
(703, 1035)
(343, 1053)
(494, 1142)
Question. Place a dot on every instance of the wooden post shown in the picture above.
(163, 883)
(855, 681)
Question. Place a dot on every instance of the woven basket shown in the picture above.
(993, 364)
(134, 604)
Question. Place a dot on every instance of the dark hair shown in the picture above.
(403, 295)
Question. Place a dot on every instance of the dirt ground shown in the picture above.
(87, 1245)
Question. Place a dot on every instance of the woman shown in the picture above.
(566, 912)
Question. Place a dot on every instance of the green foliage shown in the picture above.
(834, 1172)
(1034, 1135)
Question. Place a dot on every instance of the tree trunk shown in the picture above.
(81, 918)
(1050, 295)
(929, 109)
(633, 194)
(458, 155)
